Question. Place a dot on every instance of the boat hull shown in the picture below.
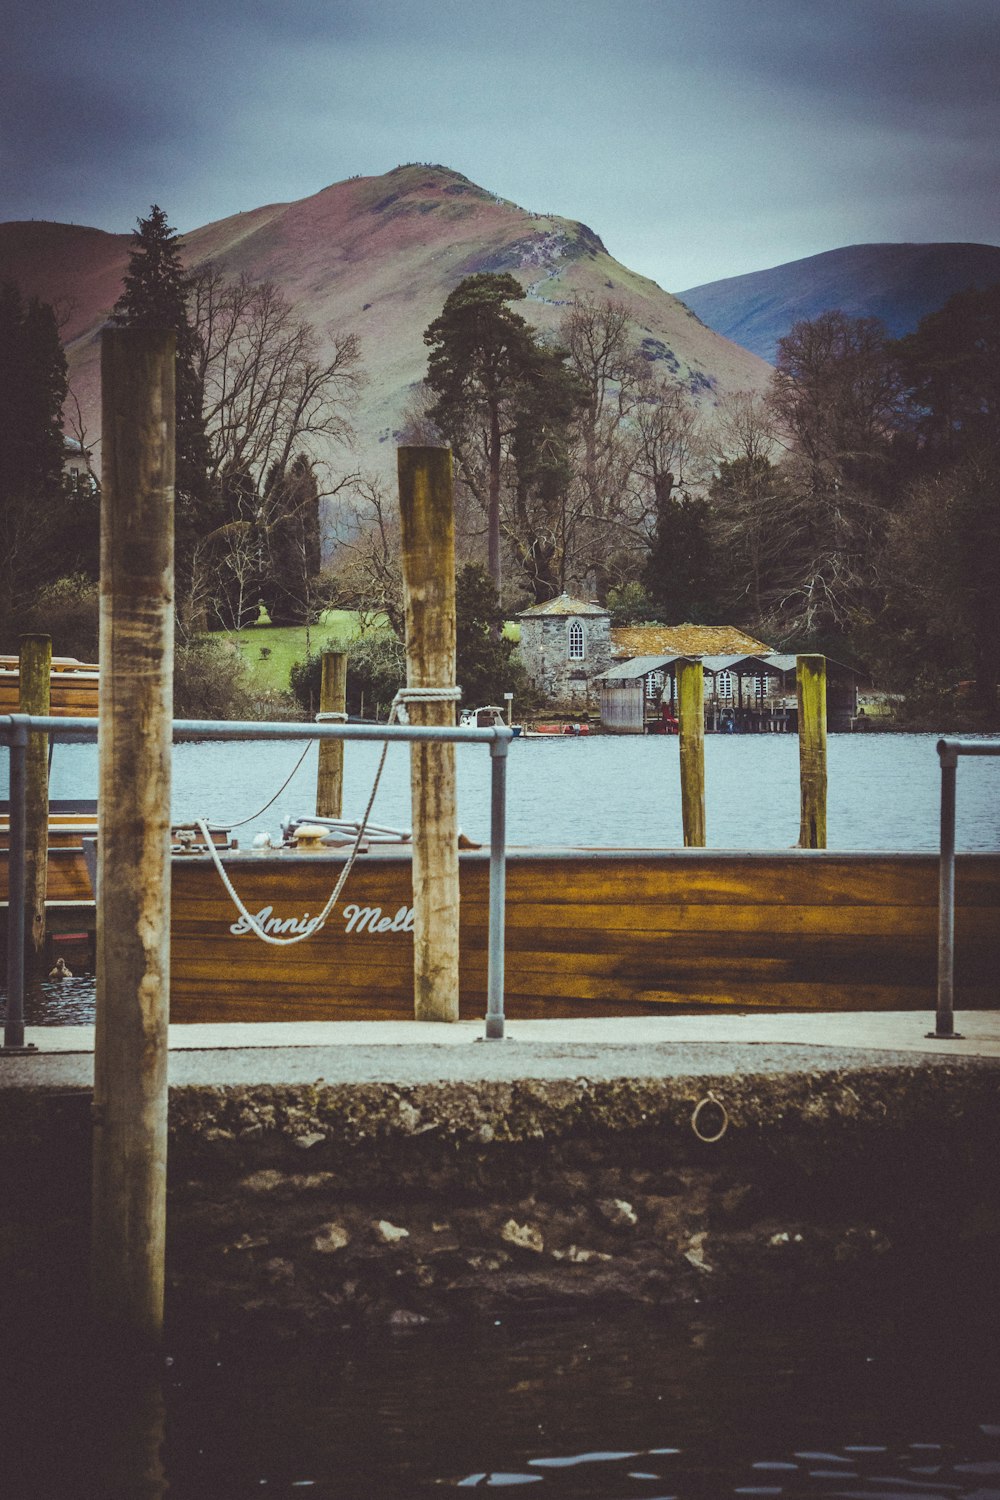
(590, 932)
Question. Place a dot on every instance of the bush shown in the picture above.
(376, 669)
(67, 610)
(212, 681)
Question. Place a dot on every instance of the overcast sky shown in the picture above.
(699, 138)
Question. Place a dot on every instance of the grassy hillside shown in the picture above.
(271, 651)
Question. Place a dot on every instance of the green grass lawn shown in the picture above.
(271, 651)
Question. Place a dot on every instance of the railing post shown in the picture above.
(428, 535)
(498, 891)
(691, 728)
(133, 879)
(332, 707)
(13, 1036)
(34, 697)
(810, 682)
(945, 1027)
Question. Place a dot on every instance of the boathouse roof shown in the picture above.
(683, 640)
(639, 666)
(563, 604)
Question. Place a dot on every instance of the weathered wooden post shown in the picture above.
(35, 677)
(691, 721)
(332, 706)
(133, 839)
(428, 534)
(810, 684)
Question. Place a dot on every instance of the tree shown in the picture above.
(48, 524)
(950, 367)
(486, 666)
(155, 296)
(680, 574)
(272, 404)
(480, 351)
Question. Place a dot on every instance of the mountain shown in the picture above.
(897, 283)
(377, 256)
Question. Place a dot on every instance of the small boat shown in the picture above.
(488, 717)
(548, 731)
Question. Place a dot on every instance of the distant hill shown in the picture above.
(898, 283)
(377, 256)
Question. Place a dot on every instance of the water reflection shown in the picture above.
(743, 1401)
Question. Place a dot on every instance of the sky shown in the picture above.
(699, 138)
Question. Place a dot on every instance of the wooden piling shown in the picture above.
(810, 683)
(691, 720)
(35, 676)
(133, 872)
(428, 535)
(332, 701)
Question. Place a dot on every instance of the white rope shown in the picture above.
(421, 695)
(398, 710)
(333, 715)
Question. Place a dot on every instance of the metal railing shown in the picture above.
(16, 728)
(948, 753)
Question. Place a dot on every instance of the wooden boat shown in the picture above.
(73, 687)
(589, 932)
(600, 932)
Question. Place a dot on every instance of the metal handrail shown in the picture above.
(15, 729)
(949, 751)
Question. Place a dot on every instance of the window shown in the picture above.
(654, 684)
(724, 685)
(577, 644)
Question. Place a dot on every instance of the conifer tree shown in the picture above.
(155, 296)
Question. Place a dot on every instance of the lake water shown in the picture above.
(794, 1401)
(884, 790)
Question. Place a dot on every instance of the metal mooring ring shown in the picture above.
(710, 1139)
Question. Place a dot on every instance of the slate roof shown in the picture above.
(565, 604)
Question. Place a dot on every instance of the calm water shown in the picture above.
(749, 1401)
(884, 790)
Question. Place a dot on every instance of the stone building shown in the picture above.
(565, 646)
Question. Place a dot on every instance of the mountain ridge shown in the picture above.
(377, 256)
(899, 282)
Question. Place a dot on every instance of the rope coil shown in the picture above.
(333, 715)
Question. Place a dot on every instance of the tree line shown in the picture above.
(852, 508)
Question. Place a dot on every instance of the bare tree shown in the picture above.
(367, 562)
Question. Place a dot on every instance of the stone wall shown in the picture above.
(338, 1204)
(544, 650)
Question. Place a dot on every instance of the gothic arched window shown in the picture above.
(577, 643)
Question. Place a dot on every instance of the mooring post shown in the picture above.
(35, 676)
(428, 535)
(133, 839)
(810, 683)
(332, 706)
(691, 721)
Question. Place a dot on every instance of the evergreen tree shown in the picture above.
(32, 391)
(48, 525)
(480, 350)
(155, 296)
(680, 573)
(485, 663)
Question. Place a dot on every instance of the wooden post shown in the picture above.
(332, 701)
(428, 534)
(133, 839)
(810, 683)
(691, 718)
(35, 678)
